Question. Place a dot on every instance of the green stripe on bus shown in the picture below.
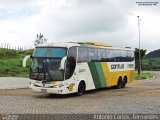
(101, 74)
(94, 73)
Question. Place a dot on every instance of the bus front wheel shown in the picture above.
(81, 88)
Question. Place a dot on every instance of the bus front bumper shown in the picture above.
(47, 90)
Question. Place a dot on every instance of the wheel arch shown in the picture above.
(83, 82)
(80, 89)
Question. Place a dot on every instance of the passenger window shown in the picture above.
(92, 53)
(82, 54)
(123, 56)
(102, 55)
(132, 56)
(109, 54)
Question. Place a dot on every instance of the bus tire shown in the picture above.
(119, 83)
(124, 82)
(81, 88)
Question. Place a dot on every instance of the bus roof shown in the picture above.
(85, 44)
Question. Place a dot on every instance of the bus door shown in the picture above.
(82, 69)
(70, 72)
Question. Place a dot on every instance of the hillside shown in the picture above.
(11, 63)
(151, 64)
(153, 54)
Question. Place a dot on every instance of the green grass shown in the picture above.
(143, 76)
(11, 63)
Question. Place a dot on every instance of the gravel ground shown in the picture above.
(138, 97)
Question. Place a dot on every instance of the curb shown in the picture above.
(13, 88)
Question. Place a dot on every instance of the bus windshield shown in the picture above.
(50, 52)
(46, 64)
(43, 68)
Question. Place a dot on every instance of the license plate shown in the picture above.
(44, 90)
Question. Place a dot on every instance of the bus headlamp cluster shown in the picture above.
(58, 86)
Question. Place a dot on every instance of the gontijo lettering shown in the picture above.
(117, 66)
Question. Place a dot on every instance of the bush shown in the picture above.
(11, 63)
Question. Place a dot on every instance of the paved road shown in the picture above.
(137, 97)
(13, 82)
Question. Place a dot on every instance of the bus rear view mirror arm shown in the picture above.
(25, 60)
(63, 63)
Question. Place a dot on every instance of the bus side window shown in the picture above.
(113, 59)
(99, 55)
(123, 56)
(115, 56)
(82, 54)
(132, 56)
(128, 56)
(109, 54)
(92, 53)
(102, 55)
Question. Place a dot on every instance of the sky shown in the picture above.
(108, 21)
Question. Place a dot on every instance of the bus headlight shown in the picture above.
(58, 86)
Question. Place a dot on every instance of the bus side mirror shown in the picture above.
(25, 60)
(62, 65)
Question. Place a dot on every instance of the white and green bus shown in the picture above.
(64, 68)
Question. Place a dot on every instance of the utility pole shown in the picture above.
(139, 67)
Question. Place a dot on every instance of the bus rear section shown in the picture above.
(106, 67)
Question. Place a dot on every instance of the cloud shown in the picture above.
(79, 18)
(111, 21)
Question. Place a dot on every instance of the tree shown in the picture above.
(40, 39)
(143, 52)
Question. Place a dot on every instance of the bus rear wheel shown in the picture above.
(119, 83)
(81, 88)
(124, 82)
